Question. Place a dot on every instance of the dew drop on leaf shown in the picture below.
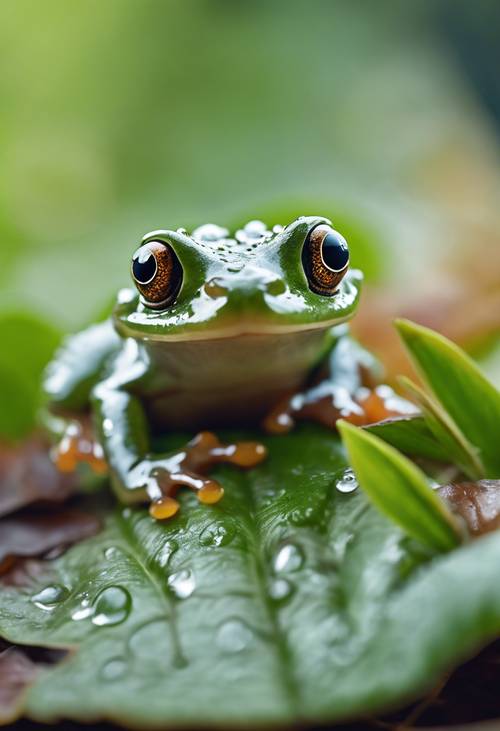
(234, 635)
(49, 597)
(166, 552)
(182, 583)
(290, 557)
(347, 482)
(280, 590)
(114, 669)
(303, 516)
(111, 606)
(217, 534)
(111, 552)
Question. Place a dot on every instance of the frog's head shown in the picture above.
(209, 285)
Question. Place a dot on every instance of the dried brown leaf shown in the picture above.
(478, 503)
(28, 475)
(19, 667)
(28, 535)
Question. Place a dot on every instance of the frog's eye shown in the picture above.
(325, 258)
(157, 273)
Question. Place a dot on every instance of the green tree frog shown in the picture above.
(222, 330)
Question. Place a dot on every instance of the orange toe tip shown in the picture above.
(164, 508)
(211, 493)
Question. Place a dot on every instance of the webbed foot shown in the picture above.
(328, 402)
(189, 468)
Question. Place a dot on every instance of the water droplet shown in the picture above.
(290, 557)
(111, 606)
(303, 517)
(182, 583)
(166, 552)
(234, 635)
(82, 613)
(217, 534)
(280, 590)
(111, 552)
(49, 597)
(347, 482)
(114, 669)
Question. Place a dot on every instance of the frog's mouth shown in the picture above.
(235, 332)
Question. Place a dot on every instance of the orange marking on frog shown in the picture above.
(78, 446)
(328, 403)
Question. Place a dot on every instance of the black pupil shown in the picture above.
(144, 267)
(335, 251)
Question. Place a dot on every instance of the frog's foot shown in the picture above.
(77, 446)
(327, 402)
(189, 468)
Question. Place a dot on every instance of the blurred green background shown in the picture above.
(123, 116)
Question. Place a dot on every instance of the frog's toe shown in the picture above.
(189, 468)
(210, 493)
(164, 508)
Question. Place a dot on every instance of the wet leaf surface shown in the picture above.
(478, 503)
(292, 599)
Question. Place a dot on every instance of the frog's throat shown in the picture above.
(233, 331)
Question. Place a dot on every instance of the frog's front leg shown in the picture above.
(138, 475)
(348, 387)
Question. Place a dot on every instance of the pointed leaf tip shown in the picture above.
(460, 387)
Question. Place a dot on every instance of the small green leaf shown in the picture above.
(460, 387)
(399, 489)
(27, 344)
(411, 435)
(18, 398)
(459, 450)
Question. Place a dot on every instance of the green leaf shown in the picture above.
(18, 398)
(27, 344)
(400, 489)
(411, 435)
(288, 602)
(458, 385)
(459, 450)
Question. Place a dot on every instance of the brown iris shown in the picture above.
(157, 273)
(325, 258)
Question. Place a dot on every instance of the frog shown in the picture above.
(244, 329)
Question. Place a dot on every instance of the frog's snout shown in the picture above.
(251, 279)
(246, 289)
